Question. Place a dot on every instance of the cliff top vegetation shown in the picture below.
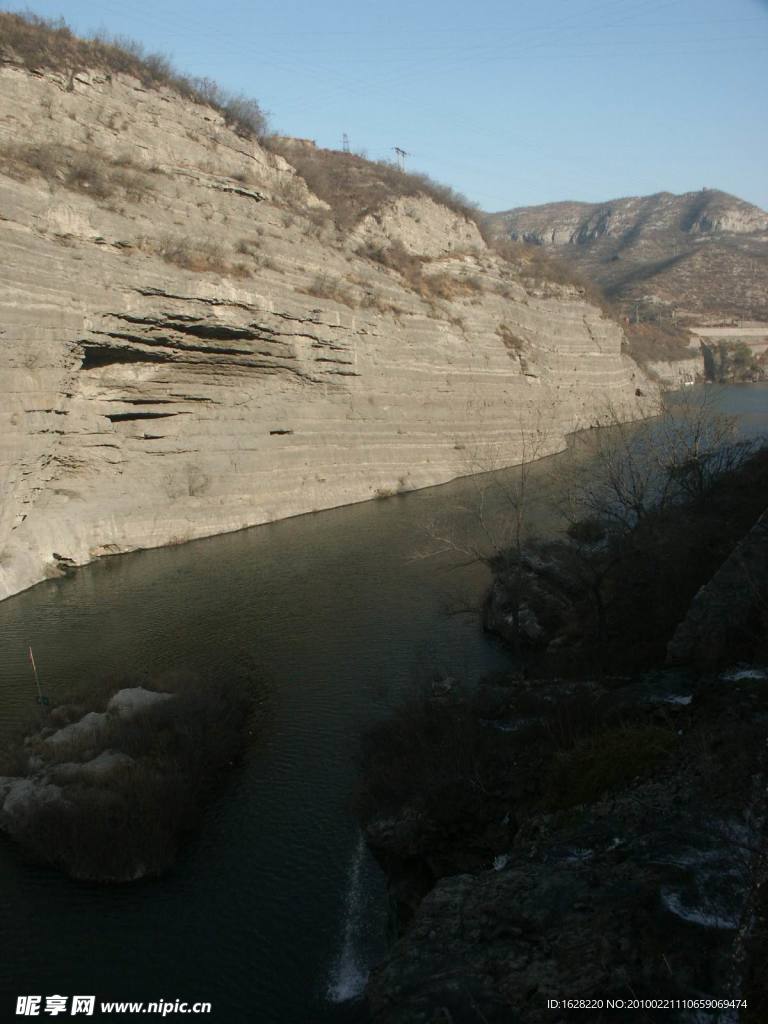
(46, 44)
(350, 184)
(354, 186)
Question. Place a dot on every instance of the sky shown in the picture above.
(512, 102)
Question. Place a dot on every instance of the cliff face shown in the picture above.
(702, 252)
(189, 346)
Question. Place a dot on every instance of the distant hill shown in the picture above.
(702, 255)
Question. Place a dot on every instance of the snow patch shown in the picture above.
(130, 701)
(735, 675)
(26, 795)
(106, 762)
(89, 725)
(349, 974)
(706, 917)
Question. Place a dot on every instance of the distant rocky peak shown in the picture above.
(706, 212)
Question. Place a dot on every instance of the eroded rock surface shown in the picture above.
(187, 350)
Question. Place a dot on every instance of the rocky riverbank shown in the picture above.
(602, 845)
(591, 825)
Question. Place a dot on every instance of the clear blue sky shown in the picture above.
(512, 102)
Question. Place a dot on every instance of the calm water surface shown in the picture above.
(275, 911)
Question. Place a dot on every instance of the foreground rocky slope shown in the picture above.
(190, 345)
(702, 253)
(617, 862)
(591, 824)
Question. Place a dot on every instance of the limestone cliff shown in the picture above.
(191, 346)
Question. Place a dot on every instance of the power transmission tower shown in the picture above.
(401, 155)
(345, 143)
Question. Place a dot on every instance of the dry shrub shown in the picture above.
(326, 286)
(410, 267)
(249, 247)
(442, 758)
(371, 297)
(86, 170)
(396, 257)
(428, 749)
(446, 286)
(373, 300)
(354, 187)
(511, 341)
(541, 266)
(189, 253)
(200, 255)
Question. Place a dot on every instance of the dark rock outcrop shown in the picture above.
(623, 874)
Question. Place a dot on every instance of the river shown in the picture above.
(275, 911)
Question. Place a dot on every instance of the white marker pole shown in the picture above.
(40, 700)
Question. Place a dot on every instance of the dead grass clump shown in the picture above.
(40, 43)
(86, 171)
(410, 267)
(199, 255)
(512, 341)
(448, 287)
(541, 266)
(326, 286)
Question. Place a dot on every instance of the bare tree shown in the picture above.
(634, 469)
(608, 495)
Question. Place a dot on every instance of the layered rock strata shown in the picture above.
(190, 347)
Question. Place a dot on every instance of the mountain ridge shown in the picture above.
(700, 253)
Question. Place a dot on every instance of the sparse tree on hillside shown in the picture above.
(610, 495)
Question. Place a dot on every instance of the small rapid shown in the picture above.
(349, 972)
